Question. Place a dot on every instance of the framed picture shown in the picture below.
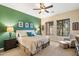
(31, 25)
(20, 24)
(26, 25)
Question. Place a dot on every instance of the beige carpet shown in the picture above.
(53, 50)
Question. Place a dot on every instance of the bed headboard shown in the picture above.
(22, 32)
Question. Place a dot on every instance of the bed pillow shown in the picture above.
(30, 34)
(22, 34)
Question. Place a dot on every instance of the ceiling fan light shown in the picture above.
(42, 10)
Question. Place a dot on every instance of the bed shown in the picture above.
(33, 43)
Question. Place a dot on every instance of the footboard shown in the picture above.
(46, 44)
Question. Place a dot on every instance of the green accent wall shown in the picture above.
(10, 16)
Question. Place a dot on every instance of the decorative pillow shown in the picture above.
(30, 34)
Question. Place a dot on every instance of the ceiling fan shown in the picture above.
(43, 8)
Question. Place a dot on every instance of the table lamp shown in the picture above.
(10, 29)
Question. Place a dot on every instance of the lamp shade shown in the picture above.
(10, 29)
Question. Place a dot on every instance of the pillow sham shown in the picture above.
(22, 34)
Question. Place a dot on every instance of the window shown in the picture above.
(60, 28)
(63, 27)
(75, 26)
(49, 28)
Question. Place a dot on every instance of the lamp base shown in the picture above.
(10, 35)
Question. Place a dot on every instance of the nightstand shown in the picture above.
(9, 44)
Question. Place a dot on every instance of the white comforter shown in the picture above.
(33, 42)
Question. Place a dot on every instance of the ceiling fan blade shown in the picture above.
(46, 11)
(48, 6)
(39, 12)
(37, 9)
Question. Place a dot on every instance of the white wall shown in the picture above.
(74, 17)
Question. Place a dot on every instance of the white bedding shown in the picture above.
(33, 42)
(44, 39)
(29, 43)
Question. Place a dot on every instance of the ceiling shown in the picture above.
(28, 8)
